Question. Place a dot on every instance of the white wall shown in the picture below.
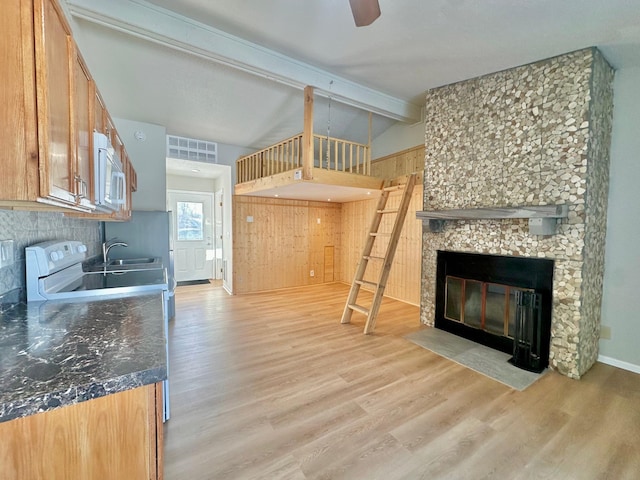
(148, 158)
(399, 136)
(195, 184)
(228, 154)
(621, 299)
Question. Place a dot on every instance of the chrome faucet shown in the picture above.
(106, 246)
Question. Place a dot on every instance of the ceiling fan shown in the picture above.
(364, 11)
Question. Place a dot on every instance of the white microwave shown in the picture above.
(109, 180)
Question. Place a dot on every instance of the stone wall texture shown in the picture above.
(538, 134)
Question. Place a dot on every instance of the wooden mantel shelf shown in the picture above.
(530, 211)
(546, 215)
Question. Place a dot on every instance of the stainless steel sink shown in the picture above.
(121, 265)
(132, 261)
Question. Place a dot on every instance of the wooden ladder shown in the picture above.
(387, 260)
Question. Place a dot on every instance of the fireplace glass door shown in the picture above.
(498, 301)
(486, 306)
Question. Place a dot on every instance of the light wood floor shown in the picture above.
(272, 386)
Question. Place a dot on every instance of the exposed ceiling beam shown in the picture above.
(147, 21)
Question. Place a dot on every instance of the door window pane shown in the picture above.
(190, 225)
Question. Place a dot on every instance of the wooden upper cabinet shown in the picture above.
(54, 50)
(83, 133)
(44, 123)
(49, 109)
(99, 112)
(18, 121)
(110, 130)
(133, 180)
(125, 213)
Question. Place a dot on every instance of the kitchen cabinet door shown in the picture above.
(111, 131)
(133, 180)
(18, 121)
(99, 115)
(54, 51)
(118, 436)
(83, 134)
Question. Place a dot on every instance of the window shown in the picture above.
(190, 225)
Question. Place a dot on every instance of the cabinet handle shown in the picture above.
(85, 189)
(78, 193)
(81, 188)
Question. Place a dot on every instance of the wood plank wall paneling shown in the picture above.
(404, 162)
(283, 243)
(404, 278)
(329, 264)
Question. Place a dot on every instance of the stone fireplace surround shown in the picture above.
(538, 134)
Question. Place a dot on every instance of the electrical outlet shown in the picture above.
(6, 253)
(312, 273)
(605, 332)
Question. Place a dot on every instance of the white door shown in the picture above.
(193, 248)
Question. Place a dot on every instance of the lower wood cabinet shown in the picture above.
(115, 437)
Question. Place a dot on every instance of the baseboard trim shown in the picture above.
(619, 363)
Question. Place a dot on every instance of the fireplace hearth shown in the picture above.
(499, 301)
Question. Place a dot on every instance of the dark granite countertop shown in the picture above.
(58, 353)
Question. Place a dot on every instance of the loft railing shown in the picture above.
(278, 158)
(341, 155)
(328, 154)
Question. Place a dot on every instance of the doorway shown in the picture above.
(193, 234)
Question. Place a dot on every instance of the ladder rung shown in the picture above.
(380, 234)
(394, 188)
(358, 308)
(387, 211)
(371, 257)
(365, 283)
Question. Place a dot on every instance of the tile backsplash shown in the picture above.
(28, 228)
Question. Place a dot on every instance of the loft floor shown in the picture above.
(325, 186)
(272, 386)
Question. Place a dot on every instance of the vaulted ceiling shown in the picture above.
(231, 71)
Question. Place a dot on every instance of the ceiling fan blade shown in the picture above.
(364, 11)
